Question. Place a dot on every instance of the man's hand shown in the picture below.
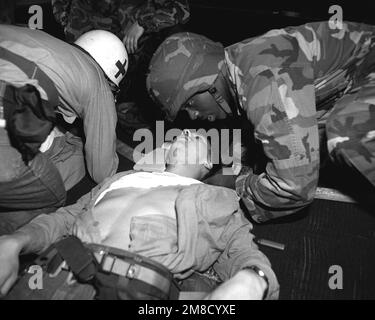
(132, 35)
(10, 248)
(244, 285)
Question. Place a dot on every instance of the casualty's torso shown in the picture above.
(135, 195)
(318, 48)
(75, 75)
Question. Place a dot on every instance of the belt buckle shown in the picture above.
(132, 271)
(107, 261)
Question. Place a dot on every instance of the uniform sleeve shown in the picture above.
(279, 100)
(47, 229)
(241, 251)
(337, 45)
(280, 103)
(214, 232)
(156, 15)
(99, 122)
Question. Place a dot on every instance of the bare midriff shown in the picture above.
(115, 211)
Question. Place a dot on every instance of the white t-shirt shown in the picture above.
(148, 180)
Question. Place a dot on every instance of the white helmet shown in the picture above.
(108, 51)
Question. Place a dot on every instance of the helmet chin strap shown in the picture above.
(223, 104)
(232, 111)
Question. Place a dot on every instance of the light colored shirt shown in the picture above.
(148, 180)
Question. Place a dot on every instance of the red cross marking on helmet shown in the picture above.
(121, 68)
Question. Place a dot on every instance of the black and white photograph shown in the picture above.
(195, 151)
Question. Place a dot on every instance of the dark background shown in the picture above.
(231, 21)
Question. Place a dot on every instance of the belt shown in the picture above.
(88, 261)
(131, 266)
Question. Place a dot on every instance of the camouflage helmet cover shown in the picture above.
(183, 65)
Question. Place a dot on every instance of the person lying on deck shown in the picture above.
(172, 218)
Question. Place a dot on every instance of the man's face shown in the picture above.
(189, 149)
(203, 106)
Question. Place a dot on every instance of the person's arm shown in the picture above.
(45, 229)
(280, 104)
(37, 236)
(239, 252)
(338, 44)
(244, 285)
(99, 122)
(156, 15)
(219, 236)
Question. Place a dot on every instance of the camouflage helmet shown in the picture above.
(183, 65)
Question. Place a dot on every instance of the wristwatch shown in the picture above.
(261, 274)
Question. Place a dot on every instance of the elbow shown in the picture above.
(304, 199)
(299, 200)
(105, 168)
(299, 192)
(306, 194)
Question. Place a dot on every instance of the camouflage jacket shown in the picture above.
(279, 77)
(79, 16)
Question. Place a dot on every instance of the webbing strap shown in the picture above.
(220, 100)
(79, 258)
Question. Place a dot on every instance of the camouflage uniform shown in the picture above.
(79, 16)
(289, 86)
(350, 126)
(288, 83)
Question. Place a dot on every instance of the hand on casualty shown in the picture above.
(132, 35)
